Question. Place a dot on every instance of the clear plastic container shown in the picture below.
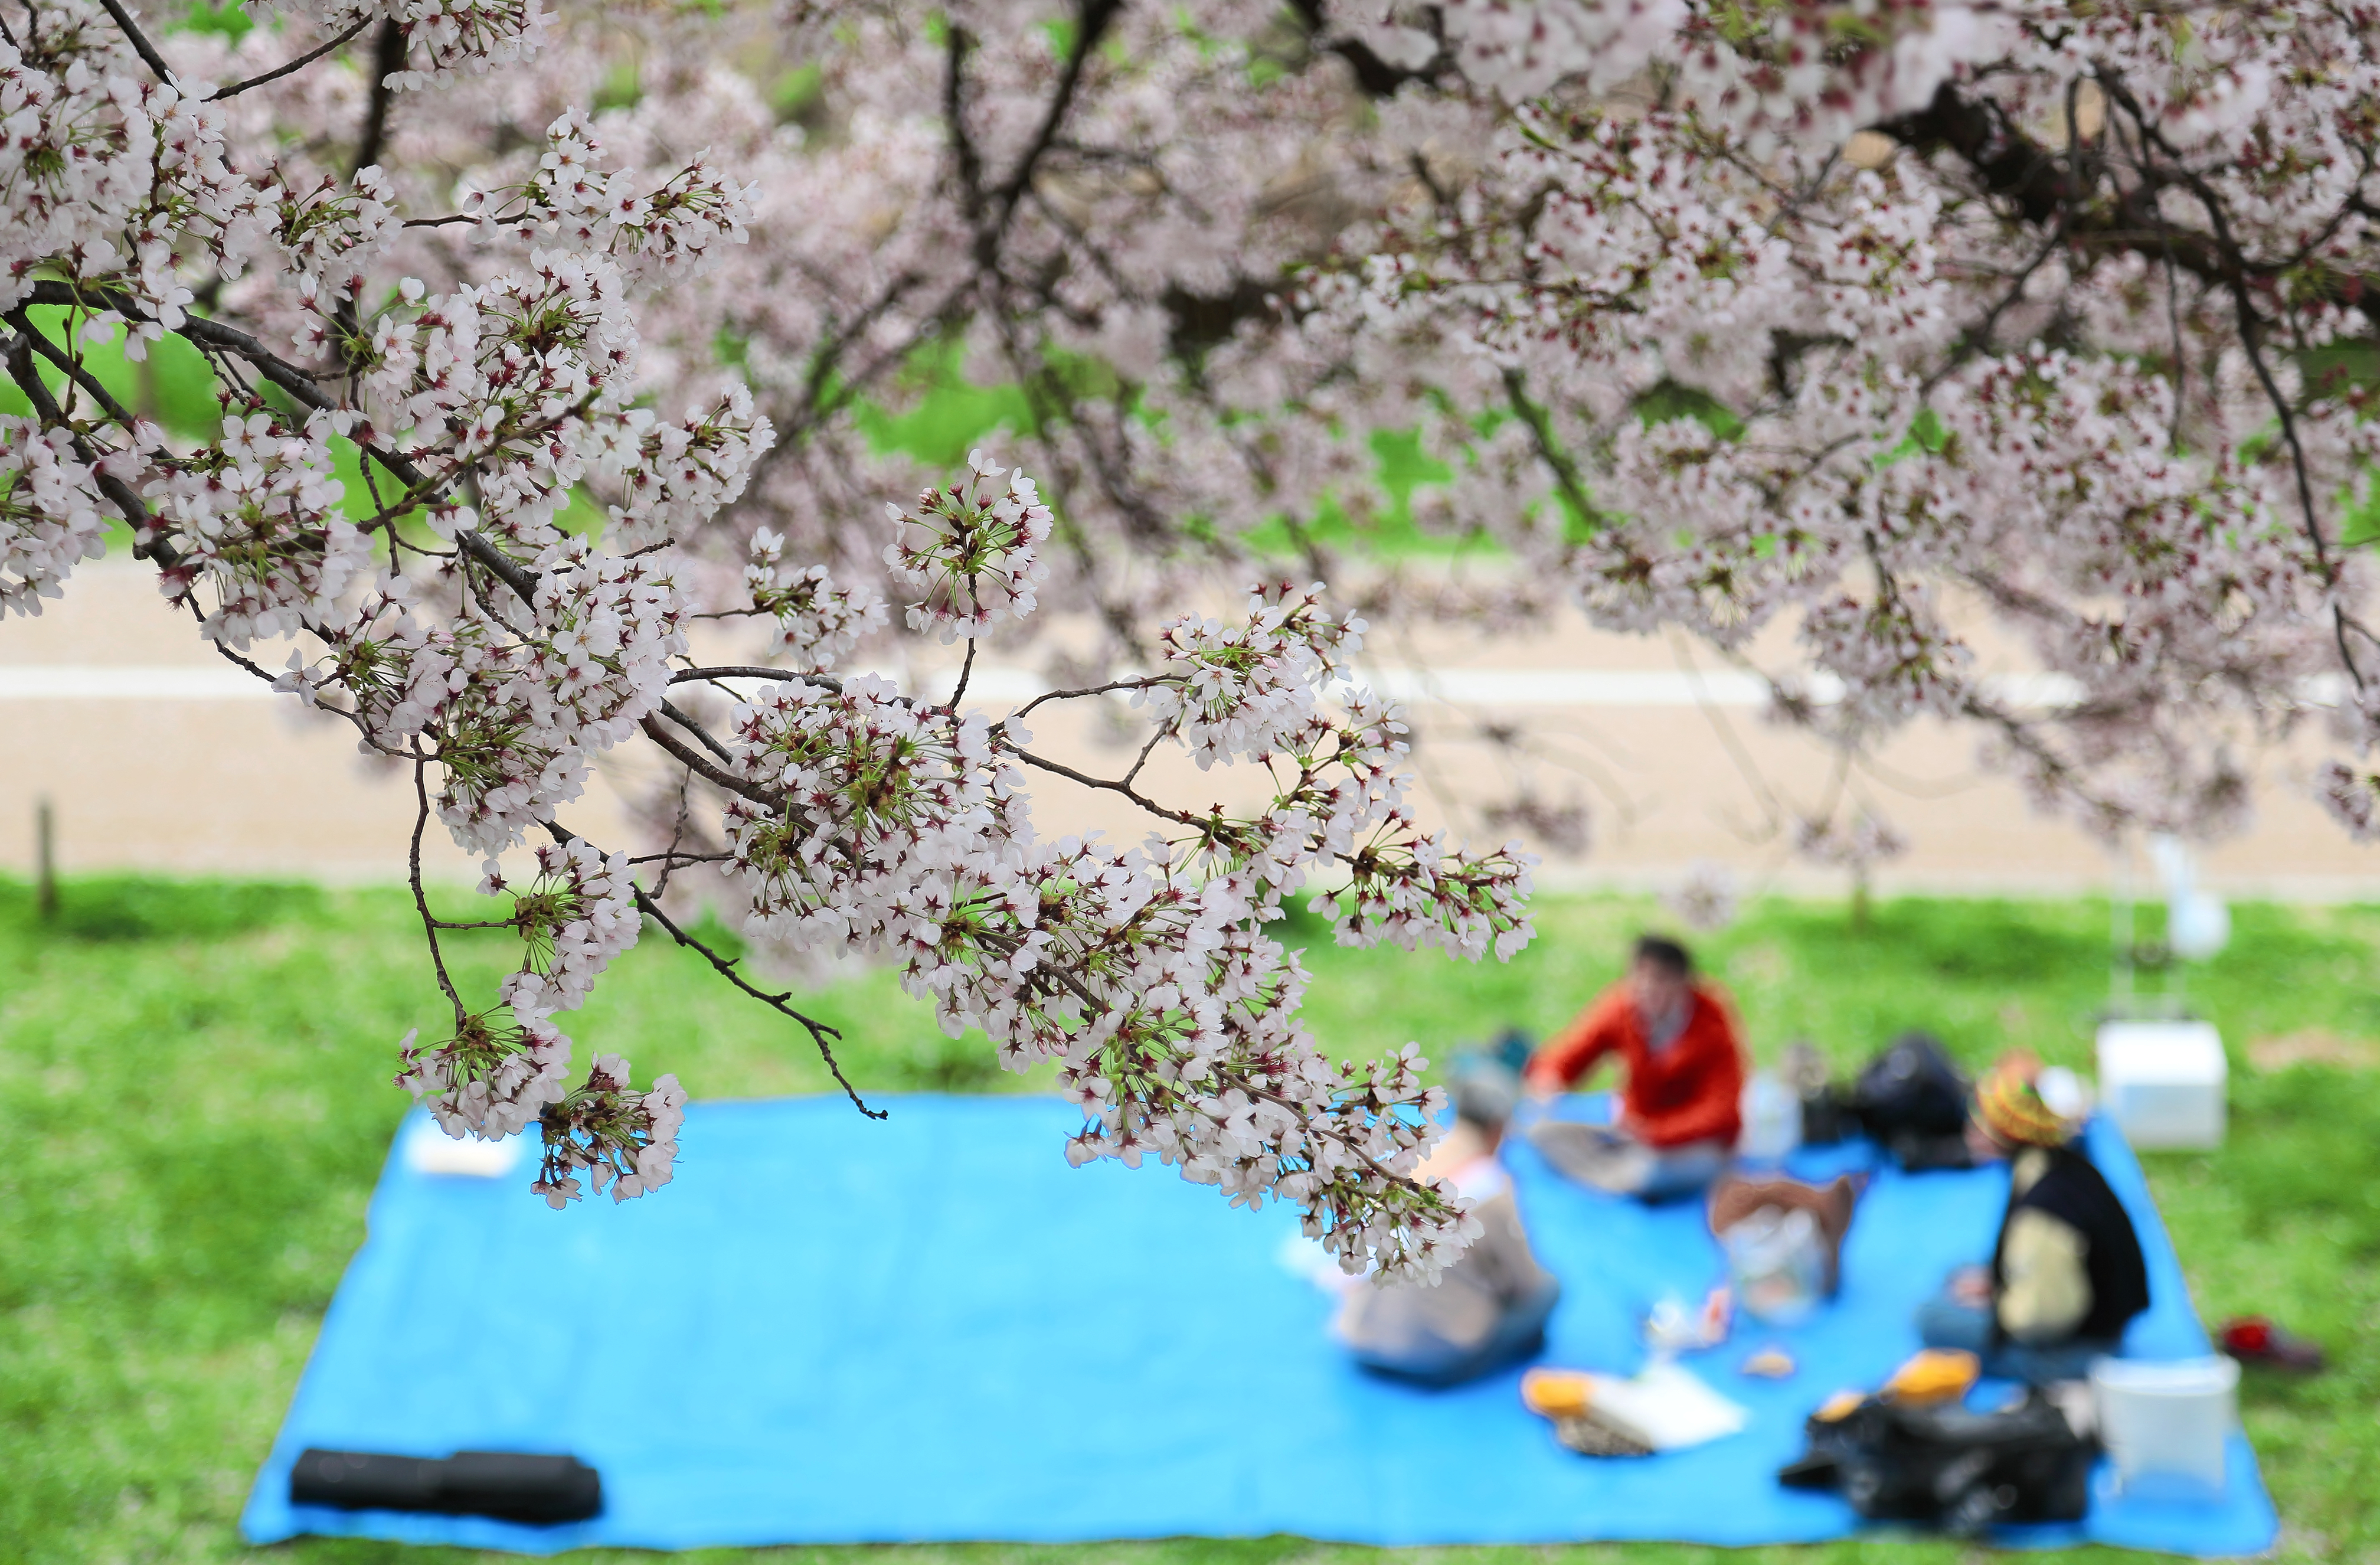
(2168, 1425)
(1777, 1262)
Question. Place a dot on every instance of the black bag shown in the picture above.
(1940, 1464)
(1912, 1100)
(1827, 1115)
(506, 1484)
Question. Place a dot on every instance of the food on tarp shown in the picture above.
(1842, 1404)
(1557, 1393)
(1770, 1363)
(1662, 1408)
(1934, 1374)
(1671, 1328)
(1588, 1438)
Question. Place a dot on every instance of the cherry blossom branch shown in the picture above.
(1144, 682)
(45, 408)
(1058, 769)
(726, 966)
(69, 366)
(1092, 19)
(670, 857)
(703, 767)
(301, 386)
(139, 40)
(2012, 166)
(421, 897)
(1228, 1079)
(967, 669)
(701, 735)
(743, 670)
(2251, 329)
(1549, 450)
(300, 63)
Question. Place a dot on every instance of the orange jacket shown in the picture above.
(1690, 1091)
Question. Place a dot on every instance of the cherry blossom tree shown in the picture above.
(1901, 331)
(445, 615)
(1908, 330)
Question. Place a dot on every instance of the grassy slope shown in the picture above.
(194, 1104)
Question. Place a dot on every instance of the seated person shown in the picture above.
(2067, 1272)
(1679, 1112)
(1486, 1310)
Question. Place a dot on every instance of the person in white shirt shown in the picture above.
(1489, 1308)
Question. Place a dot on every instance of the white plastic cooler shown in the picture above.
(2163, 1082)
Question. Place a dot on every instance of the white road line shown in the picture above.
(990, 685)
(129, 681)
(1568, 687)
(997, 685)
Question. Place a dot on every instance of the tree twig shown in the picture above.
(1087, 781)
(1141, 682)
(966, 670)
(139, 41)
(819, 1032)
(754, 670)
(420, 898)
(708, 771)
(300, 63)
(687, 722)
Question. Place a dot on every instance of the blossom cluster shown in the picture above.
(883, 799)
(664, 234)
(492, 1079)
(625, 1140)
(253, 517)
(1236, 689)
(50, 519)
(506, 1069)
(815, 621)
(972, 553)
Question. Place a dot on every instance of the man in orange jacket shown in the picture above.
(1679, 1115)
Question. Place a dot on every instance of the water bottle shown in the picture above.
(1772, 1120)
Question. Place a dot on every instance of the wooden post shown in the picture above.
(46, 859)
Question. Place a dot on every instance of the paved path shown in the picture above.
(157, 755)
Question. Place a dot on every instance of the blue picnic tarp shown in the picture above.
(830, 1328)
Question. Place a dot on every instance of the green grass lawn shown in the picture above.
(194, 1101)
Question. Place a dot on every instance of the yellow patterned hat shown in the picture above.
(2008, 1105)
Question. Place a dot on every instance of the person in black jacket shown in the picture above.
(2067, 1274)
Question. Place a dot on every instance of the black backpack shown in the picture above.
(1912, 1100)
(1939, 1464)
